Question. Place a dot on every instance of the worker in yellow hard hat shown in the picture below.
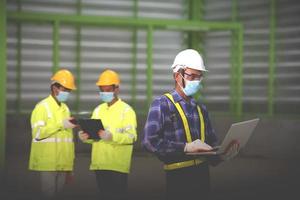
(52, 146)
(111, 155)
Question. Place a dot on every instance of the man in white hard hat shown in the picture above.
(177, 125)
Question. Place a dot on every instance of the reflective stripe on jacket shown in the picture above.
(115, 155)
(52, 146)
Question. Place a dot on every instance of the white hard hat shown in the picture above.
(188, 58)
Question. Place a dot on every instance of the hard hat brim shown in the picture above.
(176, 67)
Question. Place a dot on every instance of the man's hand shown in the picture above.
(83, 136)
(231, 151)
(105, 135)
(197, 146)
(68, 124)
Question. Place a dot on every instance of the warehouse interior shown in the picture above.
(250, 48)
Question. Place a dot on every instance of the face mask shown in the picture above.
(106, 96)
(191, 87)
(62, 96)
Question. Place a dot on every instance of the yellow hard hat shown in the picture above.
(65, 78)
(108, 77)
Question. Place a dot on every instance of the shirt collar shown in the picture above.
(53, 101)
(178, 98)
(114, 105)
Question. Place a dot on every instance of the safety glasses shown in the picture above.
(197, 77)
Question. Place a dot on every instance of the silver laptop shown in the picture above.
(240, 131)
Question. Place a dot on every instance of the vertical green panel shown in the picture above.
(195, 14)
(196, 9)
(2, 85)
(234, 10)
(55, 50)
(236, 71)
(78, 68)
(233, 59)
(272, 57)
(134, 56)
(135, 8)
(18, 67)
(149, 64)
(78, 59)
(239, 89)
(195, 40)
(134, 67)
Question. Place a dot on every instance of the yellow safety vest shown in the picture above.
(187, 134)
(115, 155)
(52, 146)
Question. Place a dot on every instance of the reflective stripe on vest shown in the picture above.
(185, 121)
(188, 135)
(97, 112)
(42, 123)
(183, 164)
(47, 109)
(52, 140)
(38, 123)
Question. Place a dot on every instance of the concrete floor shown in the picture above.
(241, 178)
(268, 168)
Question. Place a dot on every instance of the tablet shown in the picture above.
(90, 126)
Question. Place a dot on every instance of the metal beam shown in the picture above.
(3, 71)
(123, 21)
(126, 22)
(149, 64)
(240, 69)
(134, 57)
(233, 59)
(272, 57)
(55, 48)
(78, 59)
(18, 67)
(19, 62)
(195, 39)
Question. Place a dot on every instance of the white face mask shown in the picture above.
(106, 96)
(62, 96)
(191, 87)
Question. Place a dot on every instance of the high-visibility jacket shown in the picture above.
(115, 155)
(52, 146)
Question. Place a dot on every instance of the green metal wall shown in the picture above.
(270, 61)
(156, 32)
(249, 47)
(2, 86)
(39, 31)
(154, 43)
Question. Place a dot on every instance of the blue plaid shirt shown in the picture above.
(164, 133)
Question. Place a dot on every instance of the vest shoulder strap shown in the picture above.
(185, 121)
